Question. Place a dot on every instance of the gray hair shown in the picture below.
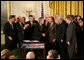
(53, 54)
(59, 17)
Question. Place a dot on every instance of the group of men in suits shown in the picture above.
(13, 30)
(57, 33)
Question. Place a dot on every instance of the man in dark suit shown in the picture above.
(32, 31)
(42, 28)
(52, 33)
(46, 24)
(78, 19)
(15, 29)
(36, 31)
(80, 48)
(9, 33)
(46, 21)
(61, 36)
(71, 38)
(19, 31)
(24, 19)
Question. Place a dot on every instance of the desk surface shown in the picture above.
(33, 45)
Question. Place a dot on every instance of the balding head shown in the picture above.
(30, 55)
(52, 54)
(46, 16)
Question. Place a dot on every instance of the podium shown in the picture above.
(32, 45)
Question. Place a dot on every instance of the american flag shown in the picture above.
(42, 12)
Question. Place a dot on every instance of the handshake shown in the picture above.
(26, 25)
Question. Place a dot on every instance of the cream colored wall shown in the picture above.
(18, 8)
(2, 38)
(46, 8)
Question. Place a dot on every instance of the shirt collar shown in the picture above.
(51, 22)
(10, 22)
(61, 22)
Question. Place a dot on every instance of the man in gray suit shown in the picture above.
(71, 36)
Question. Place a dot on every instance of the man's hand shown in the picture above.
(62, 40)
(12, 57)
(10, 38)
(43, 34)
(68, 43)
(26, 25)
(58, 57)
(54, 40)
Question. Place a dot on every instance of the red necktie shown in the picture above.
(46, 23)
(41, 27)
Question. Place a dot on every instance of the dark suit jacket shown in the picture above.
(71, 37)
(8, 31)
(46, 27)
(32, 32)
(42, 28)
(61, 31)
(19, 31)
(61, 34)
(52, 32)
(46, 30)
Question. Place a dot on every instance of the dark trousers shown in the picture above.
(20, 38)
(63, 51)
(10, 44)
(50, 46)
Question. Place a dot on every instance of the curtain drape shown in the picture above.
(65, 8)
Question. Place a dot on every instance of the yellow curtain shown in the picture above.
(65, 8)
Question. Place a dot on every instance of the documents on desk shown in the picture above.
(30, 41)
(34, 44)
